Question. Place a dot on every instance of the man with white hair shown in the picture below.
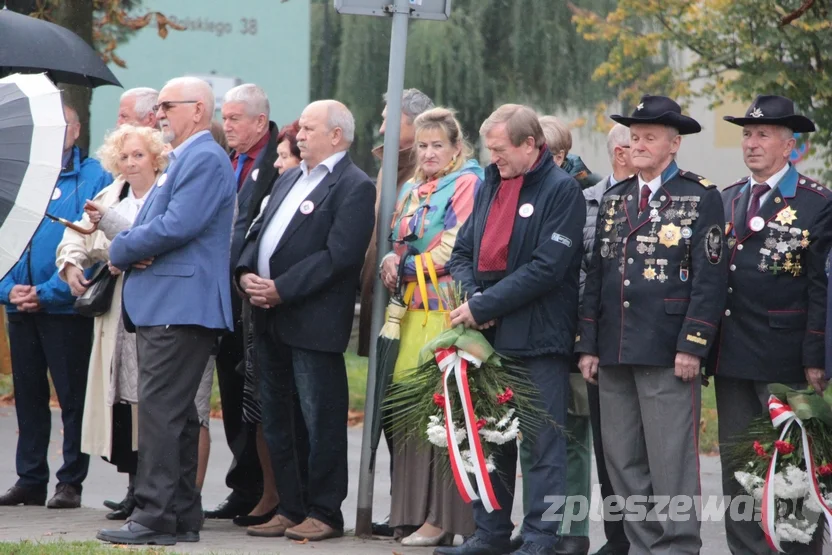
(773, 328)
(253, 138)
(300, 269)
(136, 107)
(177, 298)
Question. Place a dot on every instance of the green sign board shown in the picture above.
(265, 42)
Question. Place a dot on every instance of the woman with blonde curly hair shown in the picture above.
(135, 155)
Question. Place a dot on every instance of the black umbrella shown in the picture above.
(29, 45)
(387, 351)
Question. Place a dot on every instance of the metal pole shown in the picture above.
(389, 173)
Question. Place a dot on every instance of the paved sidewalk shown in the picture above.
(221, 537)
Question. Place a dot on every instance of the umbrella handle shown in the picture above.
(72, 226)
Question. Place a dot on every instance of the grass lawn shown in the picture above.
(72, 548)
(357, 377)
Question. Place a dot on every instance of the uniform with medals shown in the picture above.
(775, 316)
(656, 287)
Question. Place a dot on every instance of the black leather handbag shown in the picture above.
(97, 298)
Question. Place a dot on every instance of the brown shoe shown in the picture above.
(313, 530)
(275, 528)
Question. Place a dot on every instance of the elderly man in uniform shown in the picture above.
(779, 230)
(652, 301)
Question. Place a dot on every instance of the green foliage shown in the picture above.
(487, 53)
(739, 48)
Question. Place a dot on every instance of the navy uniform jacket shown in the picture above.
(775, 318)
(656, 283)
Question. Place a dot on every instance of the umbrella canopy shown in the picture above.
(30, 45)
(32, 129)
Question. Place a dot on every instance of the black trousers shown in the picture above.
(60, 343)
(305, 401)
(172, 360)
(613, 529)
(244, 477)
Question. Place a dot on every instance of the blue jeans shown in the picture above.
(305, 399)
(546, 474)
(60, 343)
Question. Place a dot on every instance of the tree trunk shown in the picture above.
(77, 15)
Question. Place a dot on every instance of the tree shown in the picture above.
(485, 54)
(740, 48)
(101, 23)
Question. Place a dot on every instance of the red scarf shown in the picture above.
(493, 255)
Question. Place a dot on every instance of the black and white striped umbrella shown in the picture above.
(32, 129)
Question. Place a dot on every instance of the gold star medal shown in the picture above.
(649, 273)
(669, 235)
(786, 216)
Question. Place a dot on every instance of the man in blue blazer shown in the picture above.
(177, 296)
(300, 269)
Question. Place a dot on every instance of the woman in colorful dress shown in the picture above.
(429, 213)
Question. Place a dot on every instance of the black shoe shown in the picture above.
(66, 496)
(134, 533)
(572, 545)
(247, 520)
(187, 536)
(529, 548)
(383, 529)
(18, 495)
(614, 549)
(113, 505)
(233, 506)
(474, 546)
(124, 510)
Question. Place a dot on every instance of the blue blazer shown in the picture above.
(186, 225)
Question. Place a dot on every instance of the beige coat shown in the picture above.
(84, 251)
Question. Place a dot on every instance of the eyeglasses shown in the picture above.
(168, 104)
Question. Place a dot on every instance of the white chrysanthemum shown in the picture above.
(810, 503)
(751, 483)
(498, 437)
(468, 462)
(794, 530)
(790, 483)
(437, 435)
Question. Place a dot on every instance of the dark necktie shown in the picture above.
(757, 191)
(241, 161)
(645, 198)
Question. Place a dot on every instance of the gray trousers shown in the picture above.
(738, 402)
(172, 360)
(650, 430)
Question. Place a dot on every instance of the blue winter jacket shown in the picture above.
(82, 180)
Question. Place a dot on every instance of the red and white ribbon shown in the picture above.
(782, 415)
(455, 362)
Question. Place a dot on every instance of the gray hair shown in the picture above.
(339, 115)
(414, 102)
(619, 135)
(194, 86)
(146, 99)
(557, 134)
(252, 96)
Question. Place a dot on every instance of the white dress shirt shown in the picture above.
(771, 182)
(177, 152)
(276, 227)
(654, 185)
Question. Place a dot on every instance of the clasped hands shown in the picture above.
(686, 366)
(25, 298)
(261, 292)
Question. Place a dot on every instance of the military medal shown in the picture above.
(787, 215)
(661, 263)
(757, 223)
(605, 248)
(805, 241)
(649, 273)
(788, 265)
(669, 235)
(687, 232)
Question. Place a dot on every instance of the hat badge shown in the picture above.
(640, 106)
(756, 113)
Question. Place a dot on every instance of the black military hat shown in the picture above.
(773, 110)
(661, 110)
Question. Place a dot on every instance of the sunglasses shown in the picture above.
(168, 104)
